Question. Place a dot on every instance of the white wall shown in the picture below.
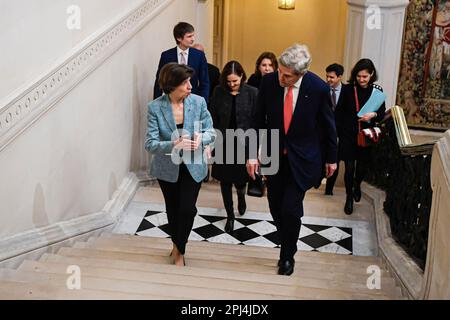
(70, 161)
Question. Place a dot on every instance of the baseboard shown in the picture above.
(406, 272)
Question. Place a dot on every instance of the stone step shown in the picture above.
(18, 289)
(341, 266)
(160, 291)
(148, 241)
(345, 279)
(196, 263)
(302, 290)
(237, 250)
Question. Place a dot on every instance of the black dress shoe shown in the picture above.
(357, 194)
(328, 193)
(348, 208)
(229, 226)
(286, 268)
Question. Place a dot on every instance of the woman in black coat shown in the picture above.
(266, 63)
(232, 107)
(355, 158)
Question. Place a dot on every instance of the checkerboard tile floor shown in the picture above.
(252, 232)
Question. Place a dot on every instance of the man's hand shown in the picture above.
(330, 168)
(252, 167)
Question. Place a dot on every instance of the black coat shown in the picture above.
(214, 78)
(221, 105)
(255, 80)
(347, 119)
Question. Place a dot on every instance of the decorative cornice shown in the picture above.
(379, 3)
(26, 107)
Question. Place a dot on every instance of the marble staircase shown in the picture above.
(115, 266)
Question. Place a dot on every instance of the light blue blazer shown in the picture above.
(162, 131)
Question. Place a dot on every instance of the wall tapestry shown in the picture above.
(424, 82)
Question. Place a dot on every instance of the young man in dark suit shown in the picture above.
(297, 104)
(183, 53)
(334, 74)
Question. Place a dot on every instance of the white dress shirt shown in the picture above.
(185, 52)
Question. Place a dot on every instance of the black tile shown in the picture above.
(346, 243)
(244, 234)
(212, 219)
(145, 225)
(247, 222)
(165, 228)
(273, 237)
(208, 231)
(317, 228)
(151, 213)
(315, 240)
(348, 230)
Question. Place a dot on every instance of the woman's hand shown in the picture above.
(368, 116)
(185, 143)
(252, 167)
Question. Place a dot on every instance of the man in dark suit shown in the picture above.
(213, 71)
(183, 53)
(334, 74)
(297, 103)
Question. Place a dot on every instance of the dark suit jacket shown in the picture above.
(312, 115)
(214, 78)
(197, 61)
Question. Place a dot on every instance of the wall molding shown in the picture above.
(24, 108)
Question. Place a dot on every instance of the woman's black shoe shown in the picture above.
(357, 194)
(229, 226)
(348, 208)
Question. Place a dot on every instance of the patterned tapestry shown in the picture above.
(424, 83)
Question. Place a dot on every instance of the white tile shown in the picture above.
(199, 222)
(221, 224)
(260, 242)
(305, 231)
(158, 219)
(333, 248)
(129, 225)
(224, 238)
(195, 236)
(303, 246)
(153, 232)
(262, 227)
(334, 234)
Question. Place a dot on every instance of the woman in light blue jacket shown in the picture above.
(179, 129)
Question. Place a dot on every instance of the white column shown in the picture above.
(375, 31)
(204, 28)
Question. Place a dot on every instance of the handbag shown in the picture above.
(366, 137)
(256, 188)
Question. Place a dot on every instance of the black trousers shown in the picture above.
(355, 170)
(181, 198)
(286, 206)
(227, 195)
